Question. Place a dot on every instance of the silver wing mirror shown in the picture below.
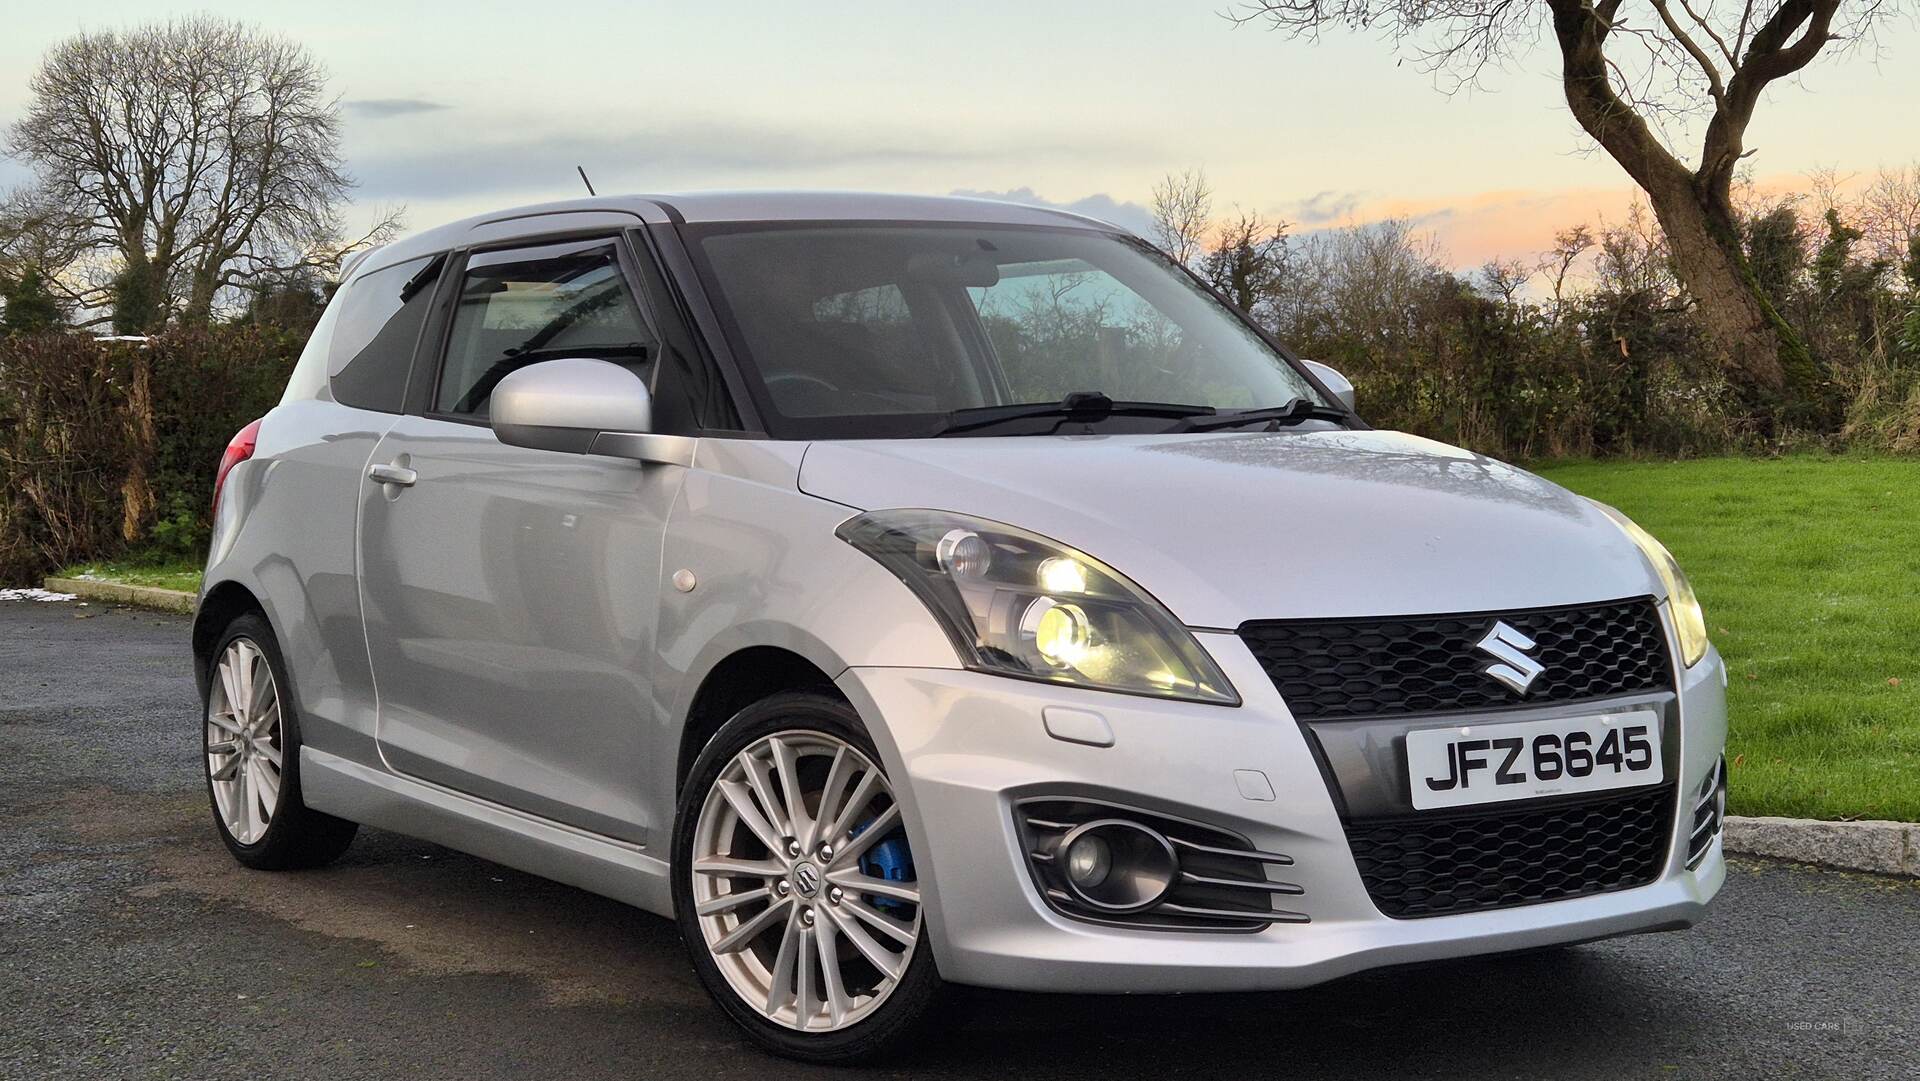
(580, 406)
(1341, 386)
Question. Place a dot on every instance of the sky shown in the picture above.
(449, 110)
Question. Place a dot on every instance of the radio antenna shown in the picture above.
(582, 170)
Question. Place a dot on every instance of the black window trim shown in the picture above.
(668, 245)
(675, 303)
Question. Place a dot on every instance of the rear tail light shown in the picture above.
(239, 449)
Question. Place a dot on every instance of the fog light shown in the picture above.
(1114, 865)
(1088, 861)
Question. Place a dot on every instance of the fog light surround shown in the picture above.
(1114, 865)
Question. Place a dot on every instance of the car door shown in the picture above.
(510, 594)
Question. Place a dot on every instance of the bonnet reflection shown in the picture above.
(1394, 458)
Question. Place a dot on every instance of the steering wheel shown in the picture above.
(801, 377)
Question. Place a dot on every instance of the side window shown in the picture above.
(380, 315)
(521, 307)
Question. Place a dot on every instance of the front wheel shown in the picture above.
(795, 888)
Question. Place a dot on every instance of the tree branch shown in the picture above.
(1620, 131)
(1700, 57)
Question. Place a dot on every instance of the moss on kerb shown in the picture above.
(165, 600)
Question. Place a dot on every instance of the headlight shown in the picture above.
(1021, 605)
(1688, 619)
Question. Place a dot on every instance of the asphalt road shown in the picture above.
(132, 946)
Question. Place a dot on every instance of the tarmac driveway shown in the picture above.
(132, 946)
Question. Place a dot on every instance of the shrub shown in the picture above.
(66, 450)
(208, 383)
(106, 447)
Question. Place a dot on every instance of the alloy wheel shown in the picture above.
(244, 740)
(802, 883)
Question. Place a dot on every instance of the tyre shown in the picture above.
(250, 737)
(794, 886)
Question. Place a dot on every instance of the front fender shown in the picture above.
(767, 570)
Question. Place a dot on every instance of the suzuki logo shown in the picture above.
(1511, 665)
(806, 879)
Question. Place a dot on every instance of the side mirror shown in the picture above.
(579, 406)
(1341, 386)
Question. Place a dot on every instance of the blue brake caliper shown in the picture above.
(888, 860)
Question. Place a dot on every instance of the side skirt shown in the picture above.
(384, 800)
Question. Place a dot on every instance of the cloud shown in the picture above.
(1323, 207)
(382, 108)
(664, 156)
(1128, 215)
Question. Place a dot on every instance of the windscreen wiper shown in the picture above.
(1081, 405)
(1274, 417)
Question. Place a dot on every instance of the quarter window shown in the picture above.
(522, 307)
(374, 335)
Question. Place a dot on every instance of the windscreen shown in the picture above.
(878, 329)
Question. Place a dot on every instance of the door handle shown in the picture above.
(393, 474)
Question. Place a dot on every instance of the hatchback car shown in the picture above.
(900, 592)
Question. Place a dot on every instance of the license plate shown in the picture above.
(1489, 763)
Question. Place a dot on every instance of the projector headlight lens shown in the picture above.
(1018, 604)
(1061, 632)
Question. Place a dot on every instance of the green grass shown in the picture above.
(181, 574)
(1809, 571)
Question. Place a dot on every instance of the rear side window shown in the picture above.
(374, 337)
(521, 307)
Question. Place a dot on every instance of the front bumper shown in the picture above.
(964, 746)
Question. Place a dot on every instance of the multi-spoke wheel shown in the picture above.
(244, 741)
(252, 742)
(796, 885)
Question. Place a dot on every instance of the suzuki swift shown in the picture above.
(901, 592)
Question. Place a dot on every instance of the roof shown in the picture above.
(737, 206)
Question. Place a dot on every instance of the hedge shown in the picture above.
(111, 447)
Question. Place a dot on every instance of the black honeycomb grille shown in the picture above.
(1429, 664)
(1439, 865)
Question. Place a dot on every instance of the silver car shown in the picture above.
(901, 592)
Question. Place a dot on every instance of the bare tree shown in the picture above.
(1362, 282)
(1505, 278)
(1568, 246)
(37, 235)
(1639, 76)
(191, 156)
(1890, 212)
(1246, 259)
(1182, 213)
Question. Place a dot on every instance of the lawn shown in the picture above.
(1809, 571)
(183, 575)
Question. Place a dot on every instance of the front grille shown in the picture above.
(1222, 882)
(1343, 668)
(1442, 864)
